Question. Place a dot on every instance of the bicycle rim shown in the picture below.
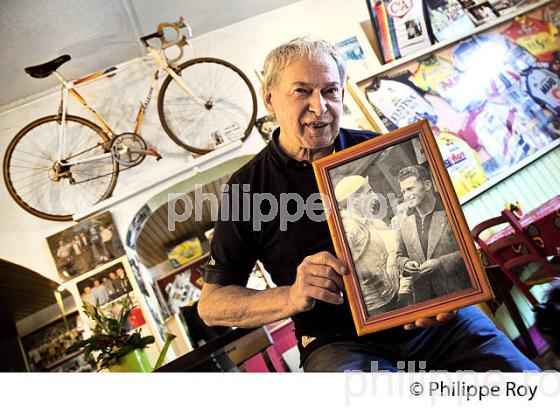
(31, 155)
(231, 103)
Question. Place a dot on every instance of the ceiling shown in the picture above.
(23, 292)
(155, 238)
(97, 34)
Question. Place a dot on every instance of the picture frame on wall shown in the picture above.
(483, 13)
(356, 50)
(109, 287)
(400, 27)
(86, 245)
(105, 286)
(181, 287)
(397, 271)
(448, 19)
(46, 347)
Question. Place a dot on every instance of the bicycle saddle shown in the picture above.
(46, 69)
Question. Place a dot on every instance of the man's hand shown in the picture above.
(410, 268)
(437, 320)
(318, 278)
(431, 265)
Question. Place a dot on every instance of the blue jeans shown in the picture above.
(470, 341)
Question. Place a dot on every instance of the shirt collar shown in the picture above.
(284, 159)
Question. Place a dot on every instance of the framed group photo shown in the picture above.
(86, 245)
(105, 286)
(397, 225)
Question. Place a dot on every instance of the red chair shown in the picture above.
(497, 263)
(528, 253)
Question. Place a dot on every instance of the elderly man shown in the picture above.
(427, 250)
(303, 88)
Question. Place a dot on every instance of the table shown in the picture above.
(542, 225)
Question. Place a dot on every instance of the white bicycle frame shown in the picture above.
(161, 63)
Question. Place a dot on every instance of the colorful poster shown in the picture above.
(493, 99)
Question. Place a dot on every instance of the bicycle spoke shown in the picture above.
(192, 125)
(15, 181)
(29, 175)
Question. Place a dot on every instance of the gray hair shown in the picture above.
(299, 48)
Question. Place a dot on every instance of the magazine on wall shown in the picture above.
(448, 19)
(400, 27)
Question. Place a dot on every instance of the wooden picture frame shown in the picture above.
(373, 232)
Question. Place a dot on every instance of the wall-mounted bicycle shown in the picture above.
(61, 164)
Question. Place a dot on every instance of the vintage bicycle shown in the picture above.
(60, 164)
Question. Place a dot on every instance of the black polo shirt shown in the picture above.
(238, 244)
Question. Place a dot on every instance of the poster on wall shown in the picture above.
(86, 245)
(493, 99)
(46, 347)
(400, 27)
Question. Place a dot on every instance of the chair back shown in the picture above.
(517, 238)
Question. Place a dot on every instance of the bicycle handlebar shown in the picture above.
(180, 40)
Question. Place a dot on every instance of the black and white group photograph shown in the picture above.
(85, 246)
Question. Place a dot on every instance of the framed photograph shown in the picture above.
(105, 286)
(86, 245)
(448, 19)
(46, 346)
(181, 287)
(483, 13)
(358, 54)
(266, 126)
(397, 225)
(400, 27)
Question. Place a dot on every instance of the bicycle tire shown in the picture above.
(199, 74)
(38, 165)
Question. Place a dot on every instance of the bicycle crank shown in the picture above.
(130, 149)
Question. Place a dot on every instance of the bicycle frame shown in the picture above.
(69, 87)
(162, 64)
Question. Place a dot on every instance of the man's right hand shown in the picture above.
(318, 278)
(410, 268)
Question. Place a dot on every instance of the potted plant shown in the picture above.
(112, 347)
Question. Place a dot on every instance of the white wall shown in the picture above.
(245, 44)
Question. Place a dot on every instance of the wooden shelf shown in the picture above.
(500, 20)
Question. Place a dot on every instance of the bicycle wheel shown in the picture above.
(226, 109)
(56, 190)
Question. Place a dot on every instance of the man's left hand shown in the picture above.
(431, 265)
(437, 320)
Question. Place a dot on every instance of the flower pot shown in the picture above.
(135, 361)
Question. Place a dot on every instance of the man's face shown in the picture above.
(307, 102)
(414, 191)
